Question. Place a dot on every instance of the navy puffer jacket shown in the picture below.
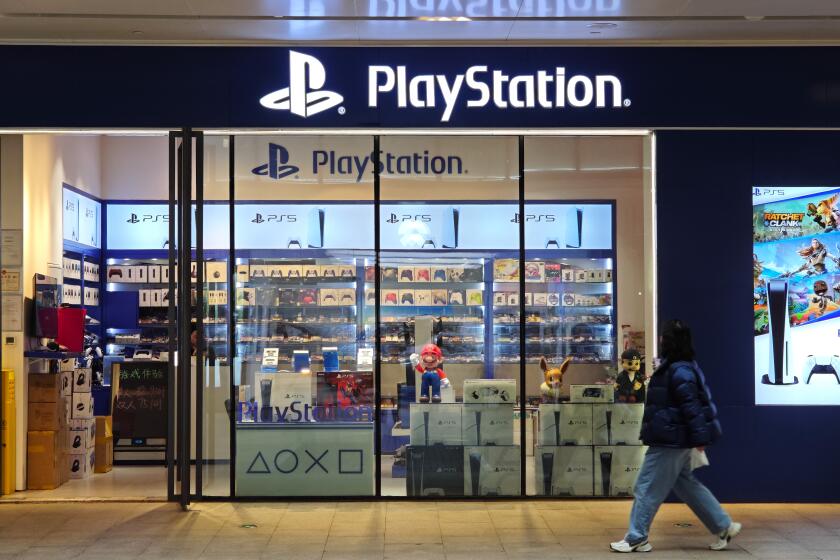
(679, 411)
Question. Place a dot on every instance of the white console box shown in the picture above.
(564, 471)
(571, 423)
(622, 464)
(436, 423)
(487, 424)
(491, 470)
(490, 391)
(617, 424)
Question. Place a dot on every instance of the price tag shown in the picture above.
(270, 359)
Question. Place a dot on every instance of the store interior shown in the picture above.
(314, 287)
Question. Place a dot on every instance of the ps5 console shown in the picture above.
(266, 414)
(821, 365)
(574, 227)
(449, 227)
(475, 473)
(778, 313)
(315, 234)
(606, 471)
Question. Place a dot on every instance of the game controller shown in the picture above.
(115, 272)
(407, 275)
(423, 275)
(828, 365)
(407, 299)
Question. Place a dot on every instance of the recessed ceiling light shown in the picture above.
(444, 18)
(753, 18)
(602, 25)
(137, 33)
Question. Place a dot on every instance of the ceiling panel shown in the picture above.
(750, 31)
(121, 7)
(281, 30)
(438, 8)
(581, 31)
(762, 8)
(274, 8)
(75, 30)
(602, 9)
(377, 30)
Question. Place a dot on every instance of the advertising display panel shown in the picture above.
(796, 288)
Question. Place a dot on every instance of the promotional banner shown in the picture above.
(405, 226)
(304, 460)
(796, 295)
(81, 219)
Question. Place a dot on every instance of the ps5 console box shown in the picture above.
(435, 470)
(616, 469)
(617, 423)
(564, 471)
(565, 424)
(491, 470)
(436, 423)
(489, 391)
(487, 424)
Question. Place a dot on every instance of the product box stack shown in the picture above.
(46, 445)
(81, 429)
(465, 449)
(588, 448)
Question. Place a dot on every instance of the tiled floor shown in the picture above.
(399, 530)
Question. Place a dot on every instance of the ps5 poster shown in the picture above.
(796, 295)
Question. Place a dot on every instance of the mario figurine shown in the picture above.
(630, 384)
(429, 364)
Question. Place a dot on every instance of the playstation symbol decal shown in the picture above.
(278, 165)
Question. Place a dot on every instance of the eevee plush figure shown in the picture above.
(553, 384)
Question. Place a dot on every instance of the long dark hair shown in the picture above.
(675, 344)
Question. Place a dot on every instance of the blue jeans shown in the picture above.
(663, 470)
(431, 380)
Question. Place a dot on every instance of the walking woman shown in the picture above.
(679, 417)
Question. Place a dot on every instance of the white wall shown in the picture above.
(48, 161)
(135, 168)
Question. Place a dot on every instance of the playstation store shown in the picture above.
(359, 273)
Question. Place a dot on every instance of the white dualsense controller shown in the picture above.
(829, 365)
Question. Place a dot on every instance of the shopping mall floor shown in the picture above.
(399, 530)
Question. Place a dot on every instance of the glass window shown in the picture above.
(303, 358)
(586, 311)
(449, 386)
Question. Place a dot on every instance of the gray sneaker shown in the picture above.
(624, 546)
(723, 539)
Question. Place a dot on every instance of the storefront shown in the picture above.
(524, 210)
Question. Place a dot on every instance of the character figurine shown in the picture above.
(429, 364)
(630, 385)
(553, 384)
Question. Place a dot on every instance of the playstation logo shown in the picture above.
(392, 219)
(258, 219)
(304, 96)
(278, 165)
(133, 219)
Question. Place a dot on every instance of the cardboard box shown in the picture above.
(43, 460)
(491, 470)
(78, 441)
(88, 426)
(104, 426)
(82, 464)
(82, 380)
(565, 424)
(64, 467)
(487, 424)
(45, 387)
(563, 471)
(67, 383)
(617, 423)
(82, 406)
(47, 416)
(616, 469)
(104, 455)
(67, 365)
(489, 390)
(435, 423)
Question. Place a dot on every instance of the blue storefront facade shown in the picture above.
(720, 122)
